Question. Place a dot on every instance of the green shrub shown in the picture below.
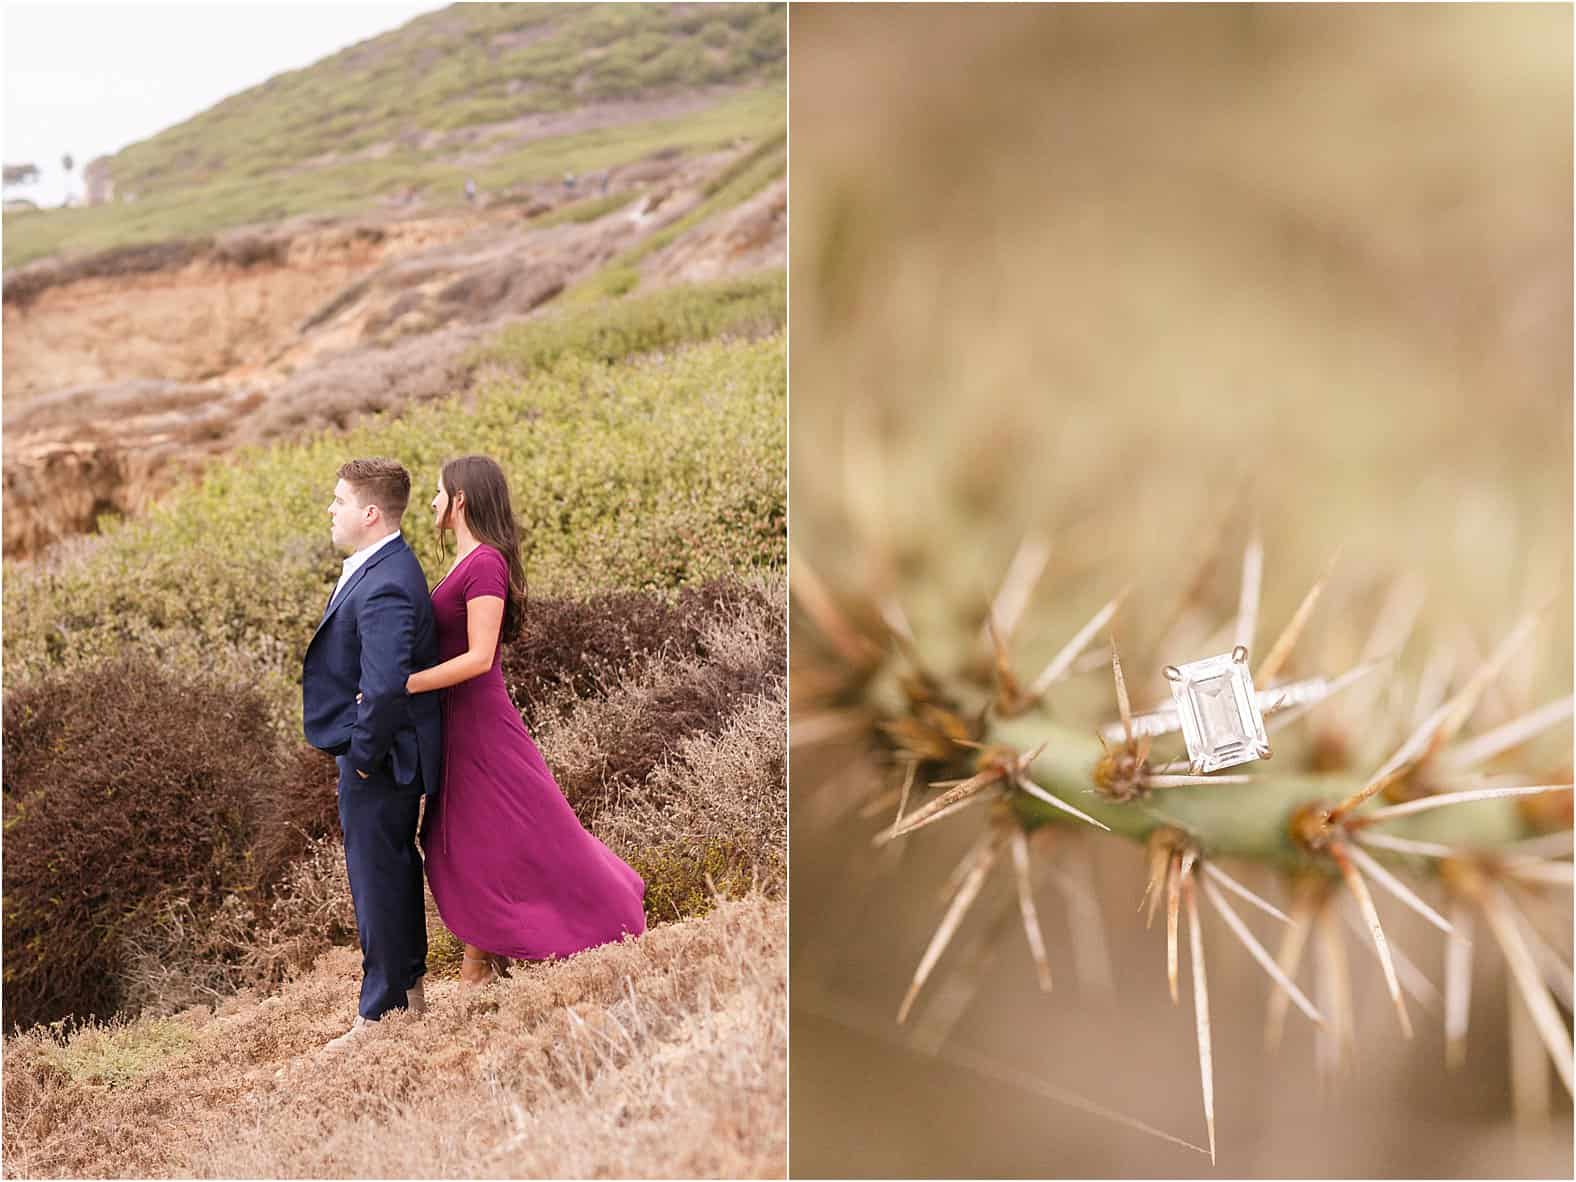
(679, 877)
(767, 161)
(445, 950)
(750, 306)
(116, 1054)
(617, 281)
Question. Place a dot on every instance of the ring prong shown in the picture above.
(1172, 673)
(1239, 655)
(1263, 750)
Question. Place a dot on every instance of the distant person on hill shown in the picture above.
(511, 869)
(470, 190)
(376, 628)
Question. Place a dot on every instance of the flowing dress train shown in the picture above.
(511, 868)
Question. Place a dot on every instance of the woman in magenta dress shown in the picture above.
(513, 872)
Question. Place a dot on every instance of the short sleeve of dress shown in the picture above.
(486, 574)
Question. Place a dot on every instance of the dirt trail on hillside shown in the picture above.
(125, 375)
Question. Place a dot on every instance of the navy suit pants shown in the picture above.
(378, 818)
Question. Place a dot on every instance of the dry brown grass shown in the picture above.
(659, 1057)
(177, 958)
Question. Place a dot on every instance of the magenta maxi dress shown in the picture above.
(511, 868)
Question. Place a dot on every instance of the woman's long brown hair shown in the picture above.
(490, 516)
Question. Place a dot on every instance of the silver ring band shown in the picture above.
(1167, 720)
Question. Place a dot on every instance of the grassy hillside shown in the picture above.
(461, 67)
(505, 93)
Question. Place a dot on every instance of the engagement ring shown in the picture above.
(1220, 714)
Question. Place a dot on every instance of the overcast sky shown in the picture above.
(91, 78)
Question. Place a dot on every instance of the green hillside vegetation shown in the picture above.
(631, 468)
(456, 68)
(617, 329)
(353, 186)
(336, 136)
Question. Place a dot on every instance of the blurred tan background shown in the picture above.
(1099, 271)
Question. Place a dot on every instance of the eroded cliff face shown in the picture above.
(124, 376)
(206, 319)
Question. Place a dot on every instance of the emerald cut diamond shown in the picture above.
(1219, 712)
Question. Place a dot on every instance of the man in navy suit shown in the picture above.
(376, 630)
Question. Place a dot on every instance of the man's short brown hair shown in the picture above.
(379, 481)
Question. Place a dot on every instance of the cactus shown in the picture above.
(956, 717)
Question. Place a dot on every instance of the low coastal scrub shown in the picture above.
(573, 651)
(753, 306)
(655, 473)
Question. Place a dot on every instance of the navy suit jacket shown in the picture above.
(373, 635)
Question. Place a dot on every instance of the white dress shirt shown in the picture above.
(357, 560)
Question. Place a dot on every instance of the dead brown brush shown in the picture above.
(575, 649)
(122, 784)
(681, 709)
(682, 767)
(299, 804)
(339, 389)
(714, 807)
(607, 746)
(26, 284)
